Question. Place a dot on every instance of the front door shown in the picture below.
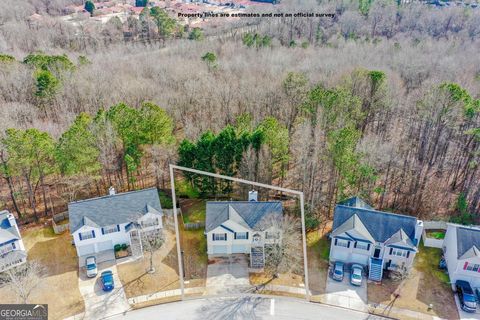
(376, 254)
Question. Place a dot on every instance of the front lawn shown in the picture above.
(194, 247)
(59, 286)
(135, 279)
(318, 251)
(426, 284)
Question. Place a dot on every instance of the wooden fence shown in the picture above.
(194, 225)
(433, 225)
(60, 227)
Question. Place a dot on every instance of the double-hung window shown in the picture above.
(219, 237)
(398, 252)
(362, 245)
(110, 229)
(86, 235)
(241, 235)
(342, 243)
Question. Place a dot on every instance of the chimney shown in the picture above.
(111, 191)
(253, 195)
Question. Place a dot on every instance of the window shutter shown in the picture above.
(225, 237)
(348, 244)
(247, 235)
(80, 236)
(213, 236)
(235, 236)
(103, 231)
(391, 250)
(336, 241)
(93, 233)
(408, 254)
(14, 246)
(465, 265)
(118, 227)
(368, 247)
(355, 244)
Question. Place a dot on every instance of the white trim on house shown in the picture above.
(467, 266)
(12, 249)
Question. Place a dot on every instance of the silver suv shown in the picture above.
(91, 265)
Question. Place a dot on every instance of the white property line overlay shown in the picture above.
(252, 183)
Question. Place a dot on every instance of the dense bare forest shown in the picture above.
(380, 101)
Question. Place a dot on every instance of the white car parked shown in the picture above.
(356, 275)
(91, 266)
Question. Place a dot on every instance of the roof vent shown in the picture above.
(111, 191)
(253, 195)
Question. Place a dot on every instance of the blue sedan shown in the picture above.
(107, 280)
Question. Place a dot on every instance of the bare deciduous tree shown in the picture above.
(23, 279)
(152, 240)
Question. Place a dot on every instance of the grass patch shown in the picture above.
(436, 234)
(165, 200)
(427, 260)
(185, 190)
(320, 244)
(194, 244)
(193, 211)
(59, 285)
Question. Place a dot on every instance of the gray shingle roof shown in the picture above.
(7, 231)
(381, 225)
(116, 209)
(251, 211)
(400, 238)
(354, 228)
(466, 239)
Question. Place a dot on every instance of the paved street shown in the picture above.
(245, 307)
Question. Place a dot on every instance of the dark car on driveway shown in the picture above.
(338, 271)
(467, 298)
(107, 280)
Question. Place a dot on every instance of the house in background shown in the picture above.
(98, 224)
(245, 227)
(12, 250)
(379, 240)
(461, 249)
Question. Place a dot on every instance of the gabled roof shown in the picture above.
(251, 212)
(353, 228)
(113, 209)
(400, 239)
(381, 225)
(355, 202)
(468, 242)
(8, 232)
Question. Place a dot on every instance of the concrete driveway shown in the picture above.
(227, 274)
(345, 295)
(98, 303)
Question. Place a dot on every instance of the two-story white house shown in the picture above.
(234, 227)
(379, 240)
(98, 224)
(12, 250)
(461, 249)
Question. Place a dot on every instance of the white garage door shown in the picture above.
(239, 248)
(359, 258)
(86, 249)
(219, 249)
(339, 255)
(104, 245)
